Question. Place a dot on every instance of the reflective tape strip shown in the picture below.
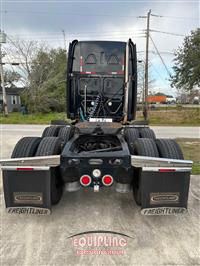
(27, 168)
(166, 170)
(120, 72)
(88, 72)
(81, 61)
(81, 64)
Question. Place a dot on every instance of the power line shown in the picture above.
(100, 15)
(102, 33)
(77, 35)
(100, 38)
(157, 16)
(155, 70)
(161, 78)
(170, 17)
(82, 33)
(175, 17)
(161, 52)
(94, 15)
(66, 13)
(43, 38)
(169, 73)
(165, 32)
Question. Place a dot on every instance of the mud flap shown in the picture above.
(164, 191)
(27, 190)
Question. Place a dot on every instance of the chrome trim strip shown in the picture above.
(136, 126)
(144, 161)
(126, 87)
(52, 161)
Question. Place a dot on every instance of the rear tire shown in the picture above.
(147, 133)
(51, 131)
(145, 147)
(49, 146)
(52, 146)
(26, 147)
(66, 133)
(131, 134)
(168, 148)
(142, 147)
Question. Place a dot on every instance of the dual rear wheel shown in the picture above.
(32, 146)
(143, 142)
(50, 143)
(132, 134)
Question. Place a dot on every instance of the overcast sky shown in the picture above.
(105, 20)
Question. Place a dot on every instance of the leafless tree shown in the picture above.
(24, 52)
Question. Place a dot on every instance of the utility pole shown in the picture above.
(65, 44)
(5, 107)
(145, 111)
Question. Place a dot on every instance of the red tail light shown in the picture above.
(167, 170)
(85, 180)
(107, 180)
(24, 169)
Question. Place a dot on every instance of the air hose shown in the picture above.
(92, 113)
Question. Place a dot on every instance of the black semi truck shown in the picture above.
(103, 147)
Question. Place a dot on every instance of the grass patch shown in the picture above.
(39, 118)
(191, 148)
(176, 117)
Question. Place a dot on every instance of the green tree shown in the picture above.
(187, 64)
(47, 82)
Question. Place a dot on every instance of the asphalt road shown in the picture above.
(43, 240)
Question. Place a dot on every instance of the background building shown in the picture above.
(13, 99)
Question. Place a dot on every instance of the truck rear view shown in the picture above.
(103, 147)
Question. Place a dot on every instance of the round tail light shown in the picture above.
(107, 180)
(85, 180)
